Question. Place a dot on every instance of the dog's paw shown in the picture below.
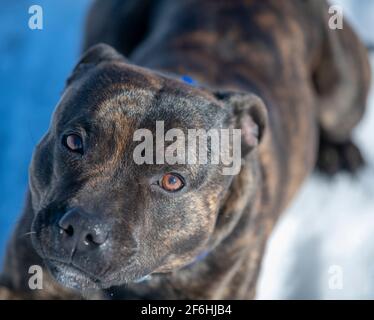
(336, 157)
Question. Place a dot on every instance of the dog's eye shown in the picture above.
(73, 142)
(171, 182)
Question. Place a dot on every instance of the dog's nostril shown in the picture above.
(94, 238)
(69, 230)
(89, 239)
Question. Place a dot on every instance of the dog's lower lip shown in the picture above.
(79, 271)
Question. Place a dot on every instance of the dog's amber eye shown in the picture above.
(171, 182)
(73, 142)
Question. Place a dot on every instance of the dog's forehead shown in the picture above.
(120, 93)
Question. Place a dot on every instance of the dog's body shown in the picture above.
(313, 81)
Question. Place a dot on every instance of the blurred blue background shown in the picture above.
(33, 67)
(330, 224)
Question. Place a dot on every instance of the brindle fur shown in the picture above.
(312, 80)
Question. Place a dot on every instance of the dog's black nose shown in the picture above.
(85, 230)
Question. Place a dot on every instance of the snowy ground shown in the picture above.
(329, 228)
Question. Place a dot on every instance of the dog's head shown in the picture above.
(102, 216)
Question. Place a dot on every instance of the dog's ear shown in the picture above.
(92, 57)
(248, 113)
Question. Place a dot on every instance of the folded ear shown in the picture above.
(92, 57)
(248, 113)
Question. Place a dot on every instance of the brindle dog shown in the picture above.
(96, 220)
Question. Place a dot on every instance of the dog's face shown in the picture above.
(101, 219)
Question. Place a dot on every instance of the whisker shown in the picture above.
(27, 234)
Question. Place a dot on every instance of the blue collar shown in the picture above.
(187, 79)
(201, 256)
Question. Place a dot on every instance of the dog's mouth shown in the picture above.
(82, 266)
(72, 276)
